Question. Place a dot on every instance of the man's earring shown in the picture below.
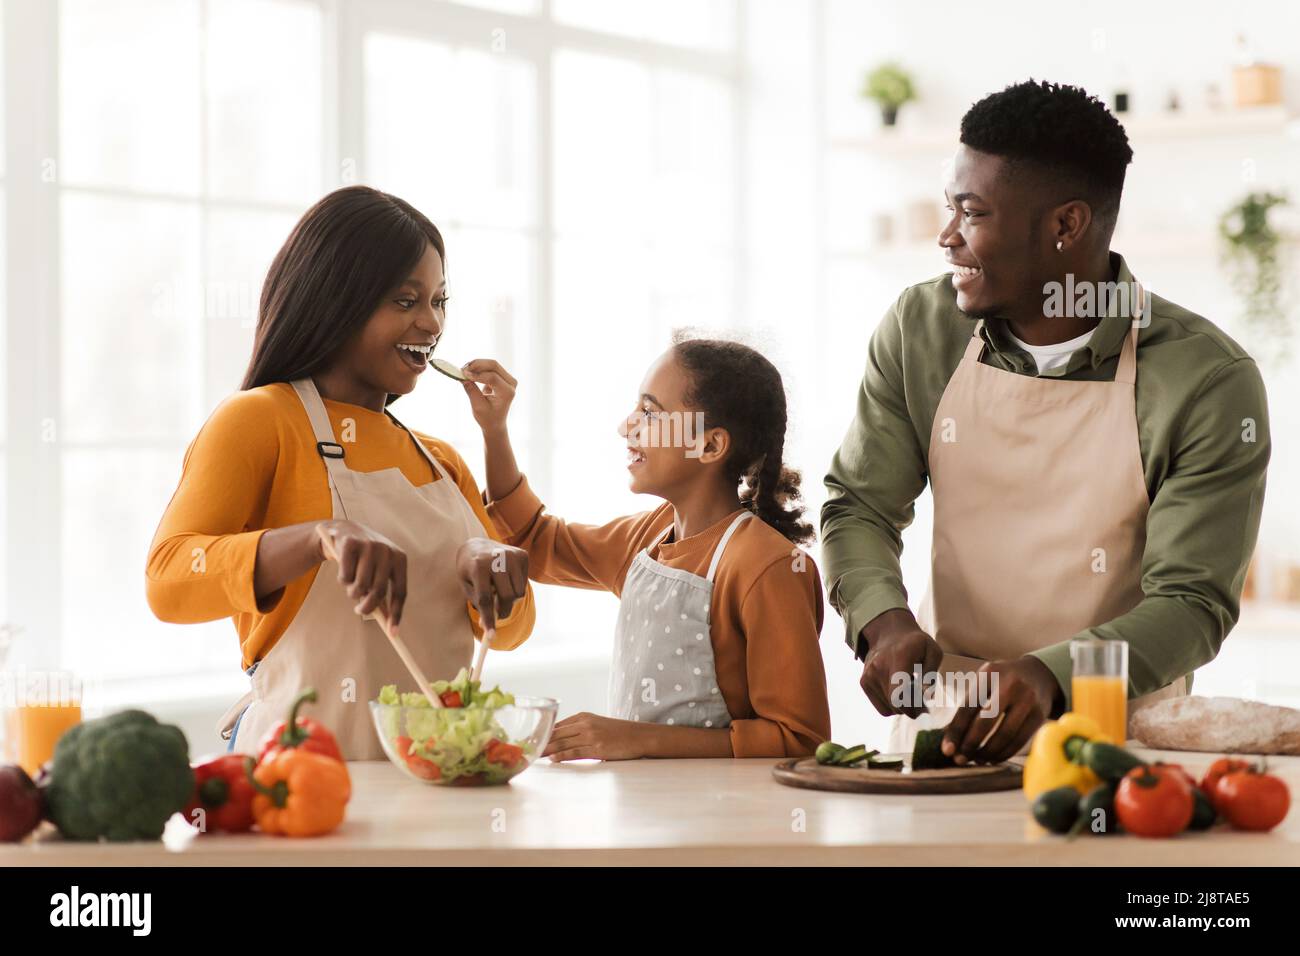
(1059, 243)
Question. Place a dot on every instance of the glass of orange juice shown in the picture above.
(1099, 684)
(35, 722)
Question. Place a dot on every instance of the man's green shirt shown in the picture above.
(1204, 440)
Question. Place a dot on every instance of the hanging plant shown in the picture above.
(1253, 252)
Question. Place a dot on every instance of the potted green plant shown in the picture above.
(890, 86)
(1253, 251)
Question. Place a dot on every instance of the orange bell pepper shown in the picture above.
(299, 793)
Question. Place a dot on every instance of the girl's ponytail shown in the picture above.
(740, 390)
(771, 490)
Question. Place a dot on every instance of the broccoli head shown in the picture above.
(119, 778)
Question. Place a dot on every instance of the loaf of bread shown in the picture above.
(1217, 724)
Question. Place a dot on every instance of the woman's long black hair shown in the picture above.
(345, 254)
(740, 390)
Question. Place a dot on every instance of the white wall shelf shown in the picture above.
(1142, 128)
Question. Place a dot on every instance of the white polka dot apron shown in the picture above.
(663, 653)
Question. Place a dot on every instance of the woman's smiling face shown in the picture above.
(391, 350)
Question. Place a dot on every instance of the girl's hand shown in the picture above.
(585, 736)
(371, 568)
(493, 576)
(491, 403)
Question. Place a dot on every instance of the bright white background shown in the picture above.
(603, 172)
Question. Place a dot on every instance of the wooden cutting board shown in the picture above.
(807, 773)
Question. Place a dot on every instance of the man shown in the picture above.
(1093, 474)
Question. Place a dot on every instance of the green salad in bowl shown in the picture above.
(478, 738)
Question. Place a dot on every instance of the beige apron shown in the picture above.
(327, 645)
(1040, 508)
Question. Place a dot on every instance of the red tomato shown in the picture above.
(1154, 801)
(1218, 769)
(424, 769)
(504, 754)
(1253, 800)
(1179, 769)
(450, 698)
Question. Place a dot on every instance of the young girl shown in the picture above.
(351, 310)
(716, 651)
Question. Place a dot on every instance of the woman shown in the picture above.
(716, 649)
(351, 310)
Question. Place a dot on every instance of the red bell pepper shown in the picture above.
(223, 793)
(299, 733)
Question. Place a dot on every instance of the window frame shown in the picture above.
(33, 201)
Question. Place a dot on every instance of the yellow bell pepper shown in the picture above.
(1047, 766)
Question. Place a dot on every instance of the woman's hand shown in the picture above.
(371, 568)
(491, 403)
(493, 576)
(585, 736)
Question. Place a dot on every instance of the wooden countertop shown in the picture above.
(677, 812)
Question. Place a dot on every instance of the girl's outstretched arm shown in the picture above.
(491, 390)
(575, 555)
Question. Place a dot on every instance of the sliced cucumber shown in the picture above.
(874, 764)
(853, 755)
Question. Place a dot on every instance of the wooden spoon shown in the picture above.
(380, 616)
(476, 672)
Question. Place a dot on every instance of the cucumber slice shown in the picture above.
(447, 368)
(853, 755)
(874, 764)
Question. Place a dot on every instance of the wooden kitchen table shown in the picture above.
(677, 812)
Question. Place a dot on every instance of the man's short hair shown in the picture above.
(1062, 134)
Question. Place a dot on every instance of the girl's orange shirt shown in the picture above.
(254, 466)
(766, 612)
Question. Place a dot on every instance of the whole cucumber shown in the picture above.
(1108, 761)
(1056, 810)
(1097, 809)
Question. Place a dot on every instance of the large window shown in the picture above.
(190, 137)
(580, 158)
(582, 169)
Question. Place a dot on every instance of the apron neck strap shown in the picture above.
(340, 476)
(975, 347)
(722, 544)
(442, 472)
(329, 449)
(1126, 372)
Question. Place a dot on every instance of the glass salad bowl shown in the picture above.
(490, 738)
